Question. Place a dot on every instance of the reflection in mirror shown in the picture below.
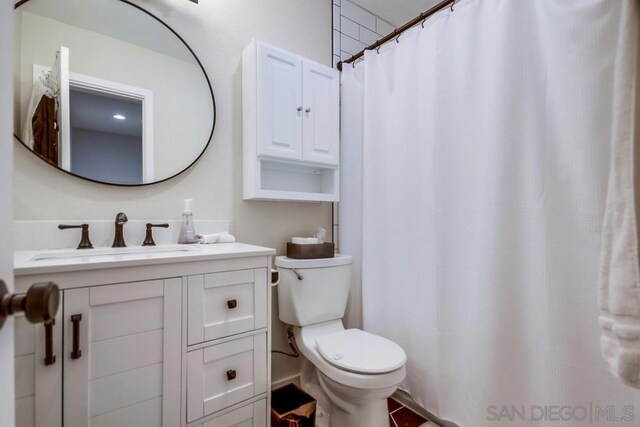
(107, 92)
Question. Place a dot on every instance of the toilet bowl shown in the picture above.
(356, 370)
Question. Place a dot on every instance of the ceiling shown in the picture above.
(397, 12)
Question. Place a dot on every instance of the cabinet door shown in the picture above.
(123, 366)
(38, 386)
(279, 87)
(321, 123)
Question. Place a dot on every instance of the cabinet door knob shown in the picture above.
(308, 110)
(232, 303)
(231, 374)
(299, 108)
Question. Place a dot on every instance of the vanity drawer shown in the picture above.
(224, 374)
(252, 415)
(226, 303)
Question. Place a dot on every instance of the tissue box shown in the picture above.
(321, 250)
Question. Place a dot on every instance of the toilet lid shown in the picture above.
(359, 351)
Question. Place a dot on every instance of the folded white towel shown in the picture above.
(619, 287)
(223, 237)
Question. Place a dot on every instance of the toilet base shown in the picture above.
(375, 414)
(356, 408)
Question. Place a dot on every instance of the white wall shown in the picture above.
(6, 212)
(182, 110)
(217, 31)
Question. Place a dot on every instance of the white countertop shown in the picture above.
(65, 260)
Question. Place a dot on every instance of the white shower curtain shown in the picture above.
(480, 146)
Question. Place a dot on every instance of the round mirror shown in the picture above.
(107, 92)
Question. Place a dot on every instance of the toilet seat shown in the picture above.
(306, 340)
(357, 351)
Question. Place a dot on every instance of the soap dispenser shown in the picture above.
(187, 232)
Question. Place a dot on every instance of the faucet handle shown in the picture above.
(148, 238)
(85, 243)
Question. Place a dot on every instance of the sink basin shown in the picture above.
(117, 253)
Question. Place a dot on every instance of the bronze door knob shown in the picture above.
(39, 304)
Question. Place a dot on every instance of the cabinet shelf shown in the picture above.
(280, 180)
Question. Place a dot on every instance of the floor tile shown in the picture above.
(404, 417)
(393, 404)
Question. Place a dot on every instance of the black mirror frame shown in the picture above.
(213, 102)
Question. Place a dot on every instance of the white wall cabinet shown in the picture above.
(291, 122)
(184, 344)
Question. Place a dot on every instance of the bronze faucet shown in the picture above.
(118, 240)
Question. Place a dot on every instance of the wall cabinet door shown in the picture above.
(122, 355)
(321, 122)
(279, 99)
(38, 385)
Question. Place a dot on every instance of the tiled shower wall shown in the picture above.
(354, 28)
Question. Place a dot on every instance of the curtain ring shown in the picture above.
(423, 21)
(378, 48)
(353, 64)
(454, 2)
(398, 38)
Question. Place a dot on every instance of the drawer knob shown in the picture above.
(232, 303)
(231, 374)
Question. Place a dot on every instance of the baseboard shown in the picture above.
(282, 382)
(406, 399)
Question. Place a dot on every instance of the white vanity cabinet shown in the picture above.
(183, 341)
(291, 119)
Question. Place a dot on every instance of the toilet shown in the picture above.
(356, 370)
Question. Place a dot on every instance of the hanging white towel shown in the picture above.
(619, 292)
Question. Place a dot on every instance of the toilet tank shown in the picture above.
(313, 290)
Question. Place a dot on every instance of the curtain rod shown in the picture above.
(395, 33)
